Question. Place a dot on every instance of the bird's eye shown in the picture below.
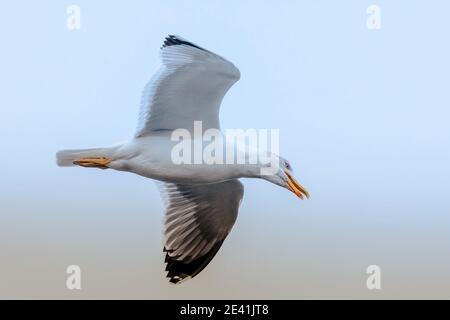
(287, 165)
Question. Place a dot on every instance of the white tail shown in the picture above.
(66, 158)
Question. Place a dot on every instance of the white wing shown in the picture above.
(188, 87)
(198, 219)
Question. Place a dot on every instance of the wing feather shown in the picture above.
(189, 86)
(197, 225)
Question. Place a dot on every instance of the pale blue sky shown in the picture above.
(363, 115)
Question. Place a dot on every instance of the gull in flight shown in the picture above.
(202, 200)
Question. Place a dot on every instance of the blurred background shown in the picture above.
(363, 116)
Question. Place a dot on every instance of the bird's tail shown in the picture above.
(68, 158)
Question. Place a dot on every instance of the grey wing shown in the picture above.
(189, 86)
(198, 219)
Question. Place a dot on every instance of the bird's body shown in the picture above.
(202, 197)
(151, 157)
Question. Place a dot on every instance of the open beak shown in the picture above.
(296, 187)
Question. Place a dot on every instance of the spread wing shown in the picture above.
(190, 85)
(198, 219)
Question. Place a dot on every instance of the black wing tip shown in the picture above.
(178, 271)
(173, 40)
(174, 269)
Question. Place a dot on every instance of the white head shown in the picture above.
(284, 177)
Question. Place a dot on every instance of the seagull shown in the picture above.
(202, 200)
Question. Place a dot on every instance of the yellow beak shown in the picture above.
(296, 188)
